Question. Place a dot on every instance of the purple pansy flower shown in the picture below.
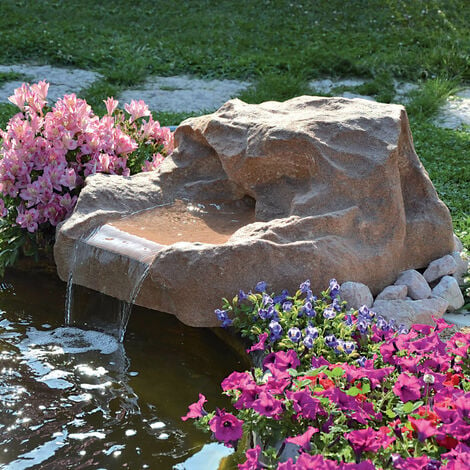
(334, 288)
(329, 313)
(223, 317)
(276, 330)
(295, 335)
(261, 286)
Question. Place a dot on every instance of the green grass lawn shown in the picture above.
(277, 45)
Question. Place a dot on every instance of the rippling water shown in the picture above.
(75, 398)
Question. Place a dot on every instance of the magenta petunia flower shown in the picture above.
(364, 465)
(281, 360)
(305, 404)
(260, 345)
(459, 458)
(267, 405)
(423, 427)
(196, 410)
(407, 388)
(411, 463)
(252, 459)
(237, 380)
(303, 440)
(364, 440)
(226, 427)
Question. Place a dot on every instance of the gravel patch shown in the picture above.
(184, 93)
(62, 81)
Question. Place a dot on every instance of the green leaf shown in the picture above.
(353, 391)
(390, 414)
(335, 373)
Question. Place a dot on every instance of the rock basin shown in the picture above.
(337, 189)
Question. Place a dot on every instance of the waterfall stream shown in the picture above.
(93, 259)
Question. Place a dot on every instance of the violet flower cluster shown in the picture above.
(398, 399)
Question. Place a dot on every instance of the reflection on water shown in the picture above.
(71, 398)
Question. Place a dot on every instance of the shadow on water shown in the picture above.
(75, 398)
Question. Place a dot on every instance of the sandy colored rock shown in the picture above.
(408, 312)
(417, 286)
(448, 289)
(440, 267)
(336, 188)
(398, 292)
(356, 294)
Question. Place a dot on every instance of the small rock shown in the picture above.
(409, 312)
(458, 245)
(440, 267)
(418, 288)
(396, 292)
(462, 266)
(448, 289)
(356, 294)
(461, 320)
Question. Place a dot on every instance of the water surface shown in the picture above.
(75, 398)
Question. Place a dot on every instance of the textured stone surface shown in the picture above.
(393, 293)
(417, 286)
(462, 266)
(356, 294)
(338, 192)
(448, 288)
(409, 312)
(440, 267)
(458, 245)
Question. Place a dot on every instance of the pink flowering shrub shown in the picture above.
(47, 153)
(393, 399)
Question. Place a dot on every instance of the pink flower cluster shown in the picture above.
(47, 154)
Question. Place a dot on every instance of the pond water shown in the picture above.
(76, 398)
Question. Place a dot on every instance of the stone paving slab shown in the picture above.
(62, 81)
(185, 94)
(456, 112)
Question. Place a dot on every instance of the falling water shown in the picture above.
(125, 307)
(69, 299)
(91, 259)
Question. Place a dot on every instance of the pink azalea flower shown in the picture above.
(407, 388)
(226, 427)
(28, 219)
(196, 410)
(252, 459)
(111, 105)
(3, 209)
(303, 440)
(137, 109)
